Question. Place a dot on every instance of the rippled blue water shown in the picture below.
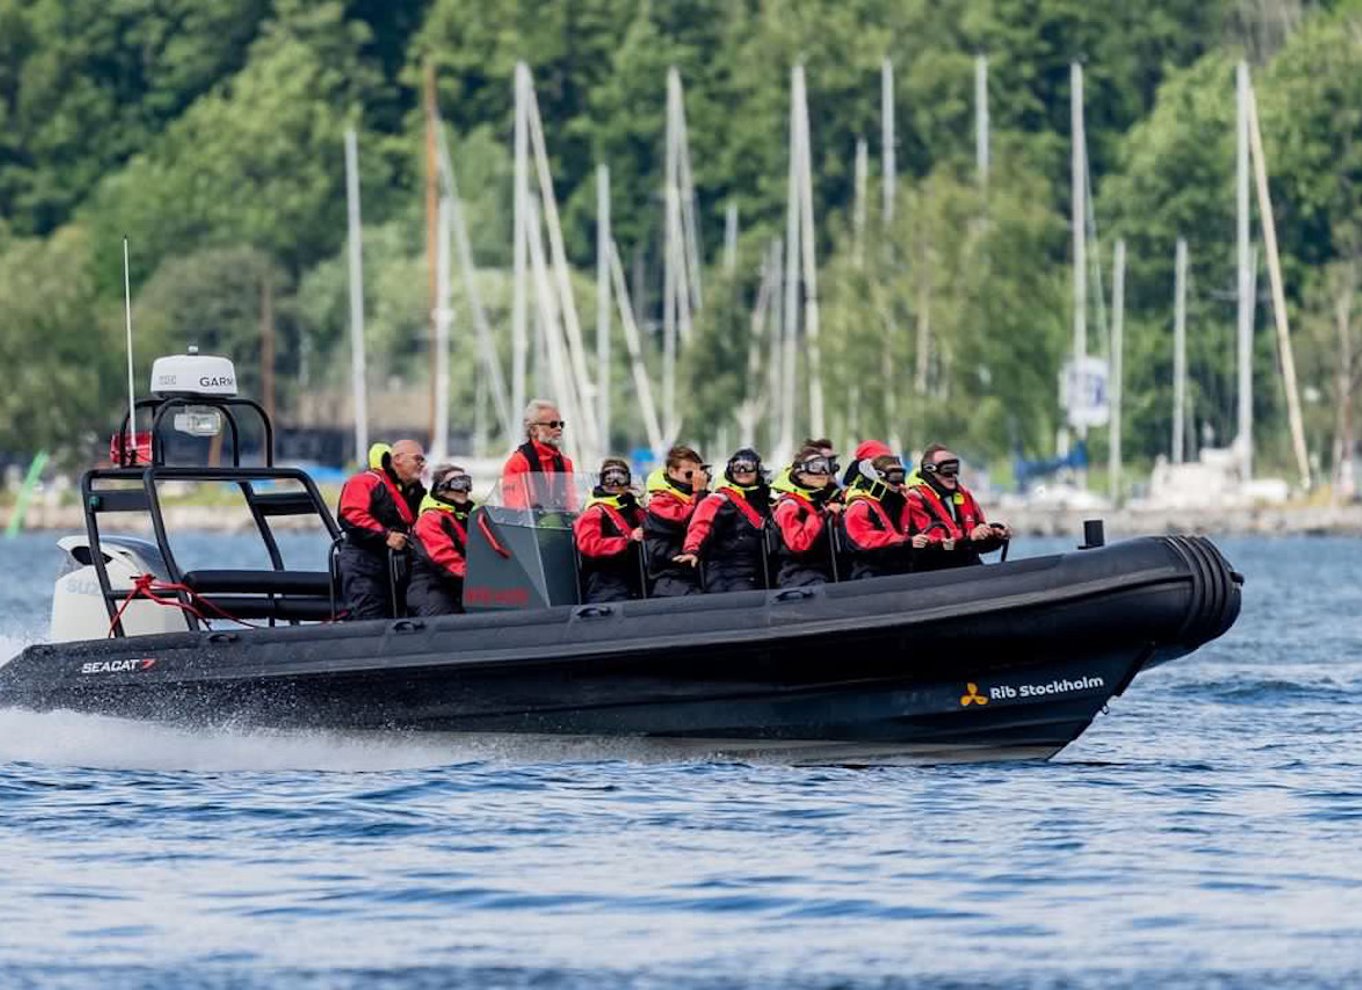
(1207, 832)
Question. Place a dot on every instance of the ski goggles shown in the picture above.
(946, 469)
(615, 476)
(743, 467)
(817, 465)
(455, 483)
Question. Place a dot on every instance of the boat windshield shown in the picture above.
(542, 500)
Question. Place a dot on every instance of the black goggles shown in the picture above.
(615, 476)
(690, 473)
(455, 483)
(743, 467)
(895, 476)
(817, 465)
(947, 469)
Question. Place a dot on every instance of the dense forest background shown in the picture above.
(210, 132)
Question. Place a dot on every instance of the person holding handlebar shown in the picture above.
(943, 509)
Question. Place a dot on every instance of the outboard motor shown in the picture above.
(78, 610)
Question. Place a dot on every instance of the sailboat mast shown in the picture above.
(432, 241)
(981, 149)
(1078, 222)
(1118, 322)
(793, 250)
(1274, 274)
(439, 441)
(1244, 335)
(1179, 351)
(603, 303)
(358, 389)
(520, 345)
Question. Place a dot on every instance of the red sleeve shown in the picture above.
(861, 529)
(570, 497)
(514, 494)
(702, 522)
(920, 520)
(669, 507)
(356, 508)
(591, 538)
(799, 525)
(438, 544)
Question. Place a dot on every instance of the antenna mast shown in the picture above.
(129, 451)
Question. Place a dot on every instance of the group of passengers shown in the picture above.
(688, 535)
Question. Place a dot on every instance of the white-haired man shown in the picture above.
(538, 475)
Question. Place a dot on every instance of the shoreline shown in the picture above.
(1263, 521)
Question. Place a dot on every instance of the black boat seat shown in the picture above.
(281, 609)
(214, 582)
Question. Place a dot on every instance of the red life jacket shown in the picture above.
(930, 514)
(371, 506)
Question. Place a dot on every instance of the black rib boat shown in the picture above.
(1006, 661)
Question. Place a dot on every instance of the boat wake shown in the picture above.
(72, 739)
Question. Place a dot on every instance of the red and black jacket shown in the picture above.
(670, 507)
(373, 504)
(727, 533)
(602, 535)
(537, 476)
(804, 554)
(440, 547)
(876, 526)
(946, 515)
(602, 530)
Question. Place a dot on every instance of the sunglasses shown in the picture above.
(895, 477)
(456, 483)
(742, 467)
(616, 478)
(553, 424)
(690, 473)
(817, 465)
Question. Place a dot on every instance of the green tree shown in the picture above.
(85, 84)
(59, 340)
(256, 162)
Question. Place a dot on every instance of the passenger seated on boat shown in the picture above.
(538, 474)
(805, 512)
(945, 510)
(609, 533)
(866, 450)
(674, 490)
(726, 536)
(876, 520)
(825, 448)
(440, 544)
(377, 509)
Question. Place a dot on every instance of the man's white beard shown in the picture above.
(552, 441)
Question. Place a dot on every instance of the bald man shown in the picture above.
(377, 509)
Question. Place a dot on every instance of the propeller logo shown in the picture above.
(972, 696)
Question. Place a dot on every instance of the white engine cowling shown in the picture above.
(78, 610)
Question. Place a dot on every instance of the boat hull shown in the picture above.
(1005, 662)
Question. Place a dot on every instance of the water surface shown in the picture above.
(1206, 832)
